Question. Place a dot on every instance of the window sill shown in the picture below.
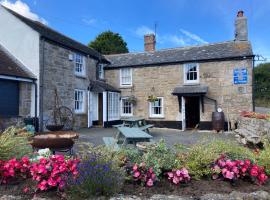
(194, 83)
(80, 75)
(125, 116)
(125, 86)
(157, 117)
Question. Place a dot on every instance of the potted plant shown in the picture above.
(132, 99)
(152, 98)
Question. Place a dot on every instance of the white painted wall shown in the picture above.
(21, 41)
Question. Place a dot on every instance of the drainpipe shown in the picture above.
(41, 85)
(215, 101)
(36, 120)
(252, 82)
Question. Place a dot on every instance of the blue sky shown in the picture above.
(179, 22)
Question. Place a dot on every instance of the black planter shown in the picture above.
(54, 127)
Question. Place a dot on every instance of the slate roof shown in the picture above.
(101, 86)
(10, 66)
(57, 37)
(190, 89)
(214, 51)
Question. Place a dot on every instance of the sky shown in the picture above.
(178, 22)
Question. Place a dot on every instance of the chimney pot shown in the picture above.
(149, 42)
(240, 13)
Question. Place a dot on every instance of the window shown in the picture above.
(113, 106)
(156, 108)
(101, 71)
(79, 65)
(79, 101)
(191, 73)
(126, 107)
(125, 77)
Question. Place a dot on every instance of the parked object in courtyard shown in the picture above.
(218, 121)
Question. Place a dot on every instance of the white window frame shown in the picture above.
(186, 66)
(122, 110)
(130, 74)
(113, 106)
(101, 71)
(161, 115)
(83, 101)
(82, 63)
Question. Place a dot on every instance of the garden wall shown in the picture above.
(252, 130)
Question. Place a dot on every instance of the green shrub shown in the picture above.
(132, 155)
(13, 144)
(200, 156)
(263, 158)
(97, 176)
(159, 157)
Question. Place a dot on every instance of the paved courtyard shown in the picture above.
(171, 136)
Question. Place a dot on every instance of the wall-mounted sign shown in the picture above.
(240, 76)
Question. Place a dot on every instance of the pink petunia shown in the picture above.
(150, 183)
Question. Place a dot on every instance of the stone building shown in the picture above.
(181, 87)
(176, 88)
(59, 65)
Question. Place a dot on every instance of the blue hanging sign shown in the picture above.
(240, 76)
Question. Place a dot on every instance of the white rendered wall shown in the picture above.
(22, 42)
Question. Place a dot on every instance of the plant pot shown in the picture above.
(54, 127)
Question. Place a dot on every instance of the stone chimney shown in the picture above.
(241, 30)
(150, 42)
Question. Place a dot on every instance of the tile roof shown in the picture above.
(101, 86)
(10, 66)
(190, 89)
(57, 37)
(214, 51)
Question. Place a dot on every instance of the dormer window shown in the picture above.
(191, 73)
(79, 65)
(101, 71)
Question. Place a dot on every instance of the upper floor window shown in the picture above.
(126, 107)
(79, 101)
(101, 71)
(125, 77)
(79, 65)
(156, 108)
(191, 73)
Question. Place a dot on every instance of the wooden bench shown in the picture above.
(146, 127)
(111, 142)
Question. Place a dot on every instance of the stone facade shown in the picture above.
(59, 73)
(161, 80)
(25, 99)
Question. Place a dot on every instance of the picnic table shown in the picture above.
(128, 136)
(137, 122)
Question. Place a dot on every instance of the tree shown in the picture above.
(262, 84)
(109, 43)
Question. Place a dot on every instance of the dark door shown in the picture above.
(9, 98)
(100, 109)
(192, 112)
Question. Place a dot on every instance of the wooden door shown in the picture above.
(100, 109)
(192, 110)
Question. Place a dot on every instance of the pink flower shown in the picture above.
(170, 175)
(150, 183)
(135, 167)
(175, 180)
(137, 174)
(247, 162)
(254, 172)
(26, 189)
(229, 175)
(178, 172)
(150, 170)
(262, 178)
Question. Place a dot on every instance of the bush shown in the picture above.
(13, 144)
(97, 176)
(263, 157)
(161, 158)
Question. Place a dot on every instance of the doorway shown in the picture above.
(192, 112)
(100, 109)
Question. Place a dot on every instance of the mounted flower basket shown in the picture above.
(152, 98)
(132, 99)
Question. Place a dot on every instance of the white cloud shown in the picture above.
(23, 9)
(193, 36)
(91, 21)
(175, 39)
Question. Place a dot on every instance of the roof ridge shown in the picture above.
(176, 48)
(18, 62)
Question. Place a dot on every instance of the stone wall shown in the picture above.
(252, 130)
(161, 80)
(25, 99)
(59, 73)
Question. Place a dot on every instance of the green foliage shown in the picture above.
(109, 43)
(129, 154)
(262, 84)
(159, 157)
(200, 156)
(13, 145)
(263, 158)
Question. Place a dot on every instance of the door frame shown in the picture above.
(183, 111)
